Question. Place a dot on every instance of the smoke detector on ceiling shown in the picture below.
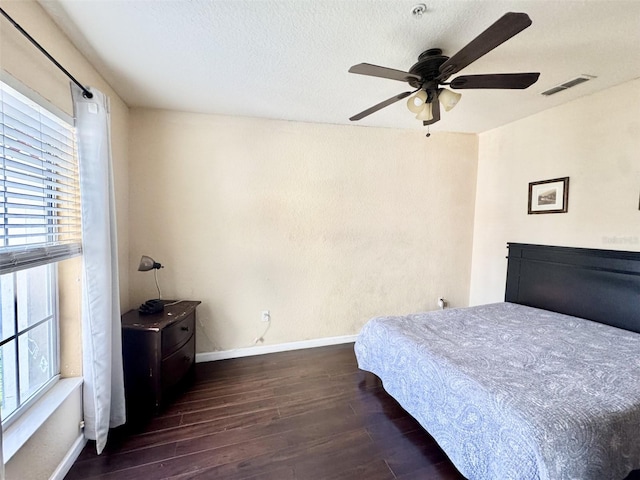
(566, 85)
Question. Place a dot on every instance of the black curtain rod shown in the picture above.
(85, 93)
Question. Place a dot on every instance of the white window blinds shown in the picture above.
(39, 193)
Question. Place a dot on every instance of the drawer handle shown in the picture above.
(184, 329)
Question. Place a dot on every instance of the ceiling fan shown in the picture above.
(433, 70)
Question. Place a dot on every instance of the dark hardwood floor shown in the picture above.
(305, 415)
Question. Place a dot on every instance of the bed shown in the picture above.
(545, 385)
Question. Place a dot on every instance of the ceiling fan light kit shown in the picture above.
(416, 102)
(433, 69)
(448, 99)
(426, 113)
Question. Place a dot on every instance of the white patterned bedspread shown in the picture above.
(513, 392)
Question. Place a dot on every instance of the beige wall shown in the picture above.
(595, 141)
(23, 62)
(323, 225)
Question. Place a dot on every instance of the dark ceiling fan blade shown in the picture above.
(382, 72)
(498, 80)
(380, 106)
(435, 111)
(507, 26)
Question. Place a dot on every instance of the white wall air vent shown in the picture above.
(571, 83)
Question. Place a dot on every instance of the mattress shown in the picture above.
(513, 392)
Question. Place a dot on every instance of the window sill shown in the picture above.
(19, 432)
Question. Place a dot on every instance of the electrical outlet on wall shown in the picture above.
(266, 316)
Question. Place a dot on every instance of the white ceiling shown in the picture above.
(288, 59)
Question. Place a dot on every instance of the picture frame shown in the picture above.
(549, 196)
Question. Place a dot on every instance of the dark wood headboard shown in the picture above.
(600, 285)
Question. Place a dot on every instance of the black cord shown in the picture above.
(85, 93)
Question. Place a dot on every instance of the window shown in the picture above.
(29, 359)
(39, 226)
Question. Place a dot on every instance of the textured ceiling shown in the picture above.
(288, 59)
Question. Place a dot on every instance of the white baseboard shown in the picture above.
(68, 460)
(281, 347)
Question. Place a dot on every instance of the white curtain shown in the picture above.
(104, 406)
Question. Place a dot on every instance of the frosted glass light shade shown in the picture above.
(448, 99)
(425, 113)
(415, 103)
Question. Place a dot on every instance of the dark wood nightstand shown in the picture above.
(159, 356)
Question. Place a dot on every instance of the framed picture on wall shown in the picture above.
(549, 196)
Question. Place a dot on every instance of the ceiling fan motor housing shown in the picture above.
(428, 68)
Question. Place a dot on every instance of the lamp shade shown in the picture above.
(148, 263)
(426, 113)
(448, 99)
(415, 103)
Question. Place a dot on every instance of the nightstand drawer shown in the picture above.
(177, 334)
(175, 366)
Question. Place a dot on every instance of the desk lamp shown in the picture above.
(151, 306)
